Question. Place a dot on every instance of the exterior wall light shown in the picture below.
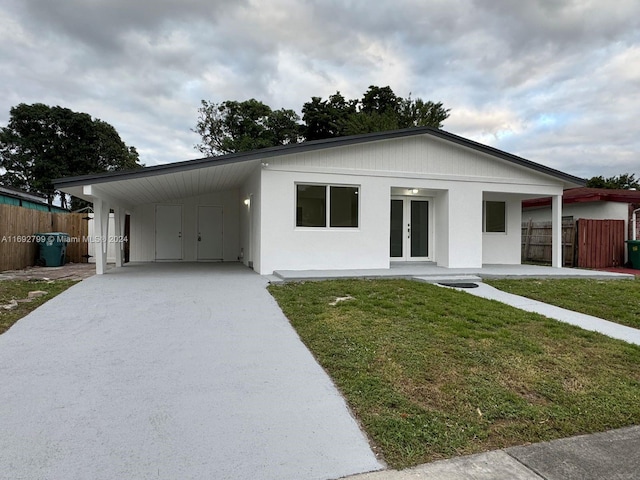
(247, 202)
(414, 190)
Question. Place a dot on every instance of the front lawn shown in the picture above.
(18, 290)
(432, 372)
(614, 300)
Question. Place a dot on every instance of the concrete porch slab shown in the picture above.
(442, 274)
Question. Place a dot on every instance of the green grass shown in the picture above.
(18, 290)
(433, 372)
(614, 300)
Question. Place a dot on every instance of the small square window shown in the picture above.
(495, 217)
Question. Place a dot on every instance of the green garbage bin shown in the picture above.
(53, 248)
(633, 249)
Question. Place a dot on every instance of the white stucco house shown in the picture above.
(358, 202)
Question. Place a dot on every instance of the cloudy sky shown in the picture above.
(554, 81)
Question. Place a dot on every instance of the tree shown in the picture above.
(327, 118)
(379, 109)
(41, 143)
(232, 126)
(624, 181)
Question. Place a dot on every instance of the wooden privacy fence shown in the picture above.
(18, 225)
(600, 243)
(585, 243)
(536, 242)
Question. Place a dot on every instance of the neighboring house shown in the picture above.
(358, 202)
(588, 203)
(12, 196)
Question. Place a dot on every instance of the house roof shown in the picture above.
(228, 171)
(20, 194)
(585, 194)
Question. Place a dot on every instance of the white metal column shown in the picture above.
(118, 226)
(556, 231)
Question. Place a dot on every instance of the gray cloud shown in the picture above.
(553, 81)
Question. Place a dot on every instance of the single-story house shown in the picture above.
(356, 202)
(589, 203)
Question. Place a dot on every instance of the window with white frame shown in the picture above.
(335, 206)
(494, 217)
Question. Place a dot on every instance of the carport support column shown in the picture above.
(119, 214)
(556, 231)
(101, 219)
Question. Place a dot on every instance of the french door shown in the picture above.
(410, 229)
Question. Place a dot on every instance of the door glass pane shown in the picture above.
(419, 228)
(396, 228)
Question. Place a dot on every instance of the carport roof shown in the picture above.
(194, 177)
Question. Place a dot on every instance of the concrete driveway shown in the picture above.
(169, 371)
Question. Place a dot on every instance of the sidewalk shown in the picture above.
(612, 454)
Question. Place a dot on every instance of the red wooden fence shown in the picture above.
(600, 243)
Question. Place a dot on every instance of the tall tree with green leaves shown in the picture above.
(625, 181)
(327, 118)
(41, 143)
(231, 127)
(379, 109)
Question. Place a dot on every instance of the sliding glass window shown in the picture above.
(320, 205)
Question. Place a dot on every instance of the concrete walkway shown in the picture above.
(169, 371)
(588, 322)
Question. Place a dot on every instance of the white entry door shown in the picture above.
(209, 233)
(168, 232)
(410, 229)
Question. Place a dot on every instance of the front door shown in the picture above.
(410, 229)
(168, 232)
(209, 233)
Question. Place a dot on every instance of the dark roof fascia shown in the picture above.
(312, 145)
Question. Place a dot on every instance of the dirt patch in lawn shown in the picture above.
(70, 271)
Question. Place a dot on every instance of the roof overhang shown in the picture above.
(587, 195)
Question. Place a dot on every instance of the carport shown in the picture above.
(199, 210)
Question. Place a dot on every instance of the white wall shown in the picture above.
(143, 226)
(287, 247)
(457, 208)
(465, 226)
(250, 220)
(504, 248)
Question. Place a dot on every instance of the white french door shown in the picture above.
(410, 231)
